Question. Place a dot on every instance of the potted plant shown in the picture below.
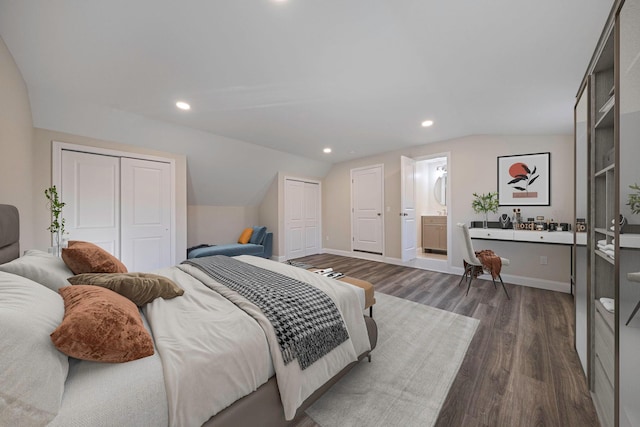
(634, 199)
(485, 203)
(57, 221)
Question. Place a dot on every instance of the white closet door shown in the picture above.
(311, 218)
(146, 214)
(294, 219)
(302, 218)
(90, 187)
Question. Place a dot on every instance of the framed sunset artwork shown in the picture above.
(524, 180)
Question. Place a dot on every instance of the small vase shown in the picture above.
(56, 250)
(485, 221)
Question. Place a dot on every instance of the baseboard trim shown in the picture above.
(442, 266)
(359, 255)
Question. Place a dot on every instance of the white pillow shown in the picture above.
(40, 267)
(32, 370)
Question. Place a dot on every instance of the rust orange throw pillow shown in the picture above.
(245, 236)
(101, 326)
(84, 257)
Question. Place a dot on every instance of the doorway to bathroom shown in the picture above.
(432, 193)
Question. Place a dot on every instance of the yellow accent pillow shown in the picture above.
(245, 236)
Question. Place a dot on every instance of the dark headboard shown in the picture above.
(9, 233)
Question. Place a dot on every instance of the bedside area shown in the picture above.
(434, 233)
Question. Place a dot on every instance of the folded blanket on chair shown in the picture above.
(490, 261)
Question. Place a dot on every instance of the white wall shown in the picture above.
(472, 168)
(224, 176)
(16, 153)
(221, 171)
(218, 225)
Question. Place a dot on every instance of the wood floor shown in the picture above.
(521, 368)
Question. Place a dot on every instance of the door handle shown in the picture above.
(379, 214)
(402, 214)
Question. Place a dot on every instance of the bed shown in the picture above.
(213, 363)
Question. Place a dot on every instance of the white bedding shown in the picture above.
(113, 394)
(213, 353)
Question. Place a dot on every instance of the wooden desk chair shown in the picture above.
(473, 266)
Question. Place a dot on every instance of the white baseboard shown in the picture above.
(359, 255)
(443, 266)
(278, 258)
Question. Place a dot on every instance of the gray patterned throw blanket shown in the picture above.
(306, 321)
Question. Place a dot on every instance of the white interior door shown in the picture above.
(302, 218)
(408, 207)
(311, 218)
(294, 219)
(90, 188)
(367, 207)
(146, 214)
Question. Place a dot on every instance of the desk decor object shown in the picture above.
(524, 180)
(485, 203)
(505, 221)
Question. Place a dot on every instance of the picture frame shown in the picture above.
(524, 180)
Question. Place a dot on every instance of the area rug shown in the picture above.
(419, 352)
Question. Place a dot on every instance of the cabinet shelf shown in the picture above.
(603, 171)
(606, 120)
(610, 318)
(604, 231)
(605, 257)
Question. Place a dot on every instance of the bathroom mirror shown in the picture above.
(440, 190)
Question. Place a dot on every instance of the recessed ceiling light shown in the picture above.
(183, 105)
(427, 123)
(327, 150)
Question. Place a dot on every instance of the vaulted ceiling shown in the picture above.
(358, 76)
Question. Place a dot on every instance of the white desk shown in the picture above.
(552, 237)
(627, 240)
(564, 238)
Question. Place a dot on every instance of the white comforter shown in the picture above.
(214, 353)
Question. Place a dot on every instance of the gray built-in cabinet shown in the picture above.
(607, 136)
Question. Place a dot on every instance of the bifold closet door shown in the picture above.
(146, 214)
(121, 204)
(302, 218)
(90, 188)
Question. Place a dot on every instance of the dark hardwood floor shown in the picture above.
(521, 368)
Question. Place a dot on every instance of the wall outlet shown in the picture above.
(543, 260)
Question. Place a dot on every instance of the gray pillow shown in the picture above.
(40, 267)
(33, 371)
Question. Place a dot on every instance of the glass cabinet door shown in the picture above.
(629, 259)
(580, 249)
